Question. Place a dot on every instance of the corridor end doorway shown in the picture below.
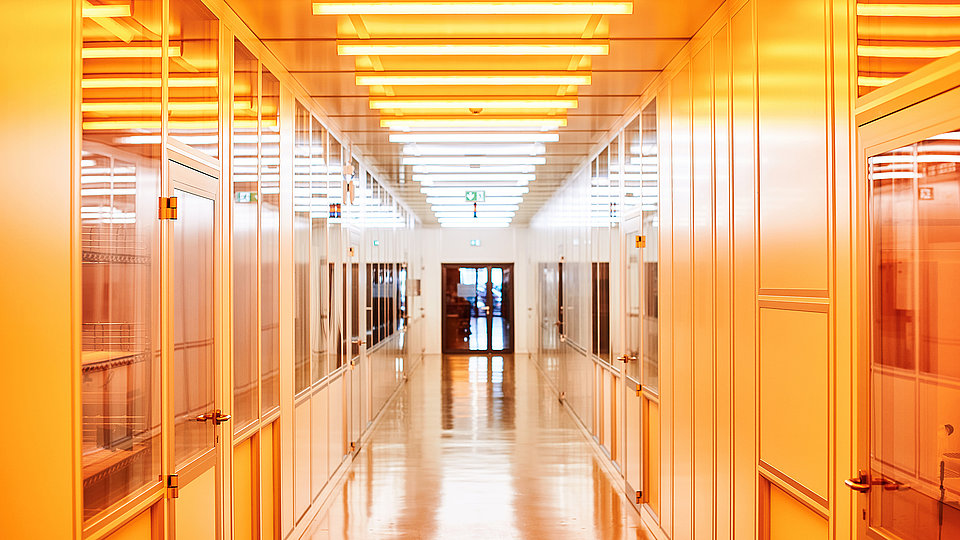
(478, 314)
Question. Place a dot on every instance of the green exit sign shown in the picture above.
(475, 196)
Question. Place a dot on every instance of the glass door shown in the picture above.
(194, 379)
(910, 471)
(477, 308)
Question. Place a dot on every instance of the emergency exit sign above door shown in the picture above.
(475, 196)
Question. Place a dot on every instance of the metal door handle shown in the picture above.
(859, 484)
(217, 417)
(627, 358)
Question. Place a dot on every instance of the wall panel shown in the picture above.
(792, 116)
(245, 509)
(682, 301)
(790, 520)
(793, 395)
(703, 294)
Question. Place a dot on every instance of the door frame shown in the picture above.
(915, 122)
(209, 187)
(443, 307)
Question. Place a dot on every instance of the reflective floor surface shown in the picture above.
(476, 447)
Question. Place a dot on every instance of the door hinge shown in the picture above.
(173, 486)
(641, 241)
(639, 497)
(353, 446)
(168, 208)
(639, 390)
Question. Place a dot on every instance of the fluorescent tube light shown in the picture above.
(908, 10)
(474, 137)
(92, 11)
(460, 192)
(478, 169)
(458, 199)
(473, 122)
(473, 103)
(128, 52)
(478, 160)
(472, 47)
(149, 82)
(892, 51)
(467, 78)
(476, 178)
(480, 207)
(472, 8)
(474, 150)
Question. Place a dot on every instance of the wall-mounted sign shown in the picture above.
(376, 243)
(475, 196)
(475, 242)
(926, 194)
(246, 196)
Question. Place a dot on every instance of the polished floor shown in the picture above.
(476, 447)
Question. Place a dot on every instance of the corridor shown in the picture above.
(476, 447)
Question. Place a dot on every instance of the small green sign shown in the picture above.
(475, 196)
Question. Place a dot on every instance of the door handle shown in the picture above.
(217, 417)
(627, 358)
(860, 484)
(358, 341)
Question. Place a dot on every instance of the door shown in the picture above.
(194, 375)
(909, 441)
(477, 308)
(358, 374)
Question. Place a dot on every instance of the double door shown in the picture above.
(477, 308)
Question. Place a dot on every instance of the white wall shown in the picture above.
(440, 246)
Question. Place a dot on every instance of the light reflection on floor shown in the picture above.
(476, 447)
(478, 333)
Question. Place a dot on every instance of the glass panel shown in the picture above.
(193, 320)
(372, 330)
(354, 298)
(319, 276)
(650, 229)
(601, 309)
(301, 248)
(915, 375)
(245, 221)
(896, 39)
(632, 297)
(119, 239)
(270, 243)
(193, 106)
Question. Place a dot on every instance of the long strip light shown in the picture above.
(908, 10)
(461, 192)
(478, 160)
(478, 169)
(472, 8)
(474, 137)
(92, 11)
(149, 82)
(473, 103)
(473, 150)
(466, 78)
(452, 199)
(891, 51)
(481, 207)
(472, 47)
(129, 52)
(475, 178)
(124, 125)
(473, 122)
(469, 214)
(113, 107)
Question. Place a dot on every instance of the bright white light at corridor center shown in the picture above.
(478, 160)
(461, 192)
(473, 150)
(472, 8)
(474, 137)
(481, 207)
(478, 178)
(453, 199)
(477, 169)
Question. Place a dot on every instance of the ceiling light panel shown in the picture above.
(551, 78)
(453, 199)
(478, 160)
(474, 137)
(481, 207)
(461, 192)
(475, 178)
(473, 150)
(474, 122)
(473, 47)
(477, 169)
(473, 103)
(472, 8)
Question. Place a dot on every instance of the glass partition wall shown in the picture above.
(145, 108)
